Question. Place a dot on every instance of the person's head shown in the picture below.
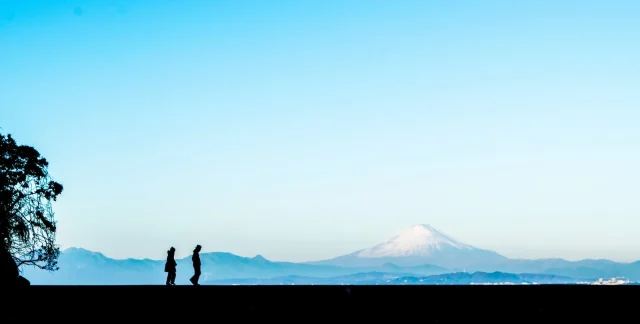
(198, 248)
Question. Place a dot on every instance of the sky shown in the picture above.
(304, 130)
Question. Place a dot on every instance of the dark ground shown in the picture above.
(430, 304)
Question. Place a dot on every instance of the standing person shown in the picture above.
(196, 265)
(170, 267)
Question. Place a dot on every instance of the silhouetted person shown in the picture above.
(170, 267)
(196, 265)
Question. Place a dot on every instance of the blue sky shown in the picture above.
(303, 130)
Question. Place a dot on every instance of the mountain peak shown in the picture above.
(422, 228)
(81, 251)
(418, 240)
(259, 257)
(76, 252)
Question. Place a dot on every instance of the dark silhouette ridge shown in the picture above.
(170, 267)
(27, 225)
(9, 274)
(196, 265)
(286, 303)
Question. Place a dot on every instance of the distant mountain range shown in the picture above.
(423, 244)
(83, 267)
(418, 255)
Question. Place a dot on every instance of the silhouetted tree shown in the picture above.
(27, 225)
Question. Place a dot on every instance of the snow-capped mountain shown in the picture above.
(419, 240)
(421, 244)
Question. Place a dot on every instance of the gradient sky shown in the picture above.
(304, 130)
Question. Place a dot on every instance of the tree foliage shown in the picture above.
(27, 224)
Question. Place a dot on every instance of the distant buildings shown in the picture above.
(612, 281)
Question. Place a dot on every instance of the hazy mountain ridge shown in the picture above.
(83, 267)
(414, 253)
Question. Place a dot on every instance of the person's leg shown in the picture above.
(173, 278)
(168, 278)
(196, 277)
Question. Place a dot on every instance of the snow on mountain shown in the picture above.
(419, 240)
(419, 245)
